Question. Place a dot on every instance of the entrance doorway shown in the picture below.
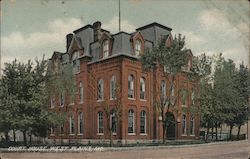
(170, 119)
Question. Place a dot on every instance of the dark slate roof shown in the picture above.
(88, 26)
(154, 24)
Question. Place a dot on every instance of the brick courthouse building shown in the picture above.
(102, 61)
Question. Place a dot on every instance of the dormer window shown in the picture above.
(105, 46)
(76, 62)
(137, 47)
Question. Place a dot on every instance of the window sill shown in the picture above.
(80, 103)
(131, 98)
(184, 135)
(71, 134)
(143, 100)
(72, 104)
(52, 134)
(114, 134)
(144, 134)
(100, 133)
(131, 134)
(52, 107)
(80, 134)
(183, 105)
(112, 99)
(192, 135)
(100, 100)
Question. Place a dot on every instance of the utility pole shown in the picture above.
(119, 15)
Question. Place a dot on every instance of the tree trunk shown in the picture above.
(6, 134)
(163, 133)
(24, 138)
(207, 132)
(230, 133)
(212, 132)
(111, 139)
(30, 138)
(238, 134)
(216, 131)
(14, 135)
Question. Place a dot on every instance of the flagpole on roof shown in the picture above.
(119, 15)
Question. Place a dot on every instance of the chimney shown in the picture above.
(97, 30)
(69, 38)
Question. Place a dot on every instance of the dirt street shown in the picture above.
(230, 150)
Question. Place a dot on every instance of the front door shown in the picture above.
(170, 126)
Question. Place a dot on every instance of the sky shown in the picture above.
(32, 29)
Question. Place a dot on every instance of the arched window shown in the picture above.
(131, 121)
(113, 122)
(112, 87)
(80, 123)
(172, 90)
(100, 91)
(184, 132)
(163, 89)
(142, 88)
(192, 97)
(76, 62)
(52, 101)
(137, 47)
(131, 86)
(100, 127)
(62, 99)
(71, 124)
(192, 125)
(143, 122)
(105, 46)
(81, 92)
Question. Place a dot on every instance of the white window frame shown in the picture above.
(100, 90)
(52, 101)
(131, 114)
(163, 89)
(184, 125)
(192, 123)
(80, 121)
(142, 88)
(138, 47)
(144, 116)
(113, 117)
(76, 62)
(131, 87)
(112, 88)
(62, 100)
(100, 120)
(71, 125)
(105, 48)
(81, 92)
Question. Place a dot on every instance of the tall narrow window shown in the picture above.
(143, 122)
(184, 98)
(192, 125)
(163, 89)
(192, 97)
(131, 121)
(100, 91)
(184, 132)
(52, 101)
(131, 86)
(112, 87)
(172, 90)
(61, 129)
(71, 125)
(52, 130)
(142, 88)
(81, 92)
(105, 48)
(76, 62)
(80, 123)
(100, 123)
(113, 123)
(62, 99)
(137, 47)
